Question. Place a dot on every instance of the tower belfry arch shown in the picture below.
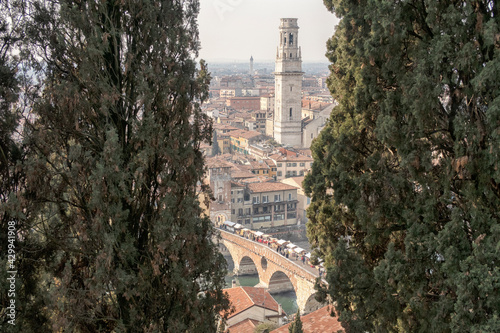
(288, 85)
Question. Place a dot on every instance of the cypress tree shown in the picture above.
(296, 325)
(407, 167)
(115, 168)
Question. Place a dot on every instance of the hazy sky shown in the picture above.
(233, 30)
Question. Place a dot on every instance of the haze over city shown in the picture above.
(234, 30)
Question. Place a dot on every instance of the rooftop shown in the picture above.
(245, 326)
(243, 298)
(245, 134)
(269, 187)
(319, 321)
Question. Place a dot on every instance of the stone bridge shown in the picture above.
(276, 273)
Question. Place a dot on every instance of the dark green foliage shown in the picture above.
(12, 183)
(114, 167)
(296, 325)
(407, 170)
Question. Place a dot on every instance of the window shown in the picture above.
(264, 209)
(279, 165)
(290, 38)
(265, 198)
(278, 217)
(290, 113)
(291, 86)
(294, 164)
(220, 197)
(240, 211)
(233, 211)
(279, 173)
(240, 199)
(277, 197)
(290, 55)
(248, 211)
(247, 221)
(255, 200)
(289, 196)
(232, 200)
(292, 215)
(302, 164)
(312, 135)
(256, 210)
(289, 164)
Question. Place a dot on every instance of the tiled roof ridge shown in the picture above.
(250, 298)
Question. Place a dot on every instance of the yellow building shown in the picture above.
(241, 139)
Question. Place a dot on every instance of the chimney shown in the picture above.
(234, 284)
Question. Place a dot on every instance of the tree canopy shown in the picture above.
(406, 182)
(114, 168)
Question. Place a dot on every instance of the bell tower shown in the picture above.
(288, 85)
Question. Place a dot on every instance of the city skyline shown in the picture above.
(234, 30)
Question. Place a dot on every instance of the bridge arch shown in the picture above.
(247, 267)
(312, 304)
(269, 263)
(280, 282)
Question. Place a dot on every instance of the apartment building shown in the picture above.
(264, 205)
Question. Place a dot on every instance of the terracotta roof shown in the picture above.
(269, 187)
(296, 181)
(259, 165)
(245, 326)
(256, 179)
(217, 163)
(270, 162)
(242, 298)
(318, 321)
(245, 134)
(241, 174)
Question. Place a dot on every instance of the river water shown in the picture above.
(288, 300)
